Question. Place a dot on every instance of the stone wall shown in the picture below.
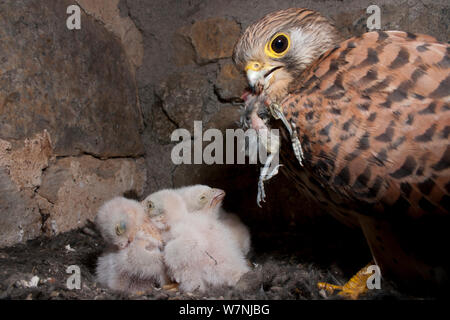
(70, 122)
(86, 115)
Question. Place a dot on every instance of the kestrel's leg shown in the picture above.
(356, 286)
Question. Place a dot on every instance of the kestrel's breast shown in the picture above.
(374, 117)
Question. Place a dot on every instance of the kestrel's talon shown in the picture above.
(356, 286)
(329, 288)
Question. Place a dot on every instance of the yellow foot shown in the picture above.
(171, 287)
(329, 288)
(356, 286)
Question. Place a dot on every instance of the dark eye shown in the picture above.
(121, 228)
(279, 44)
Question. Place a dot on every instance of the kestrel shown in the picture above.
(365, 128)
(136, 261)
(200, 251)
(200, 198)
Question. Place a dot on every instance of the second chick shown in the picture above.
(200, 252)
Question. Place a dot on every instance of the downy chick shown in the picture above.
(198, 197)
(136, 261)
(200, 251)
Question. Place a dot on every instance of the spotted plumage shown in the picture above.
(372, 115)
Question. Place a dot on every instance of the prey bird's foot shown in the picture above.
(261, 193)
(355, 287)
(267, 172)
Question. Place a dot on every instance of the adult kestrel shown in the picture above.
(368, 120)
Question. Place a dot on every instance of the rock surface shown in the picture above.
(230, 83)
(42, 194)
(211, 39)
(184, 98)
(74, 188)
(20, 175)
(107, 11)
(64, 94)
(20, 218)
(77, 84)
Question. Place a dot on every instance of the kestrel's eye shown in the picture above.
(278, 45)
(150, 205)
(120, 228)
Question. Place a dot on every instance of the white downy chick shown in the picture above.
(200, 252)
(198, 197)
(137, 263)
(156, 215)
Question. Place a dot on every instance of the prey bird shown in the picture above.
(365, 128)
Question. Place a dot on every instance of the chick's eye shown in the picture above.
(278, 46)
(150, 205)
(120, 228)
(203, 198)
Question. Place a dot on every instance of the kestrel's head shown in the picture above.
(164, 205)
(202, 198)
(276, 49)
(118, 220)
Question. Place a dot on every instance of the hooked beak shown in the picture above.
(218, 195)
(259, 75)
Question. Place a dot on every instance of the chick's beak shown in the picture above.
(218, 195)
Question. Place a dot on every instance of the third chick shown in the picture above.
(197, 199)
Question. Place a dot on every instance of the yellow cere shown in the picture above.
(253, 65)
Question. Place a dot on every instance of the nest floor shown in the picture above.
(287, 265)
